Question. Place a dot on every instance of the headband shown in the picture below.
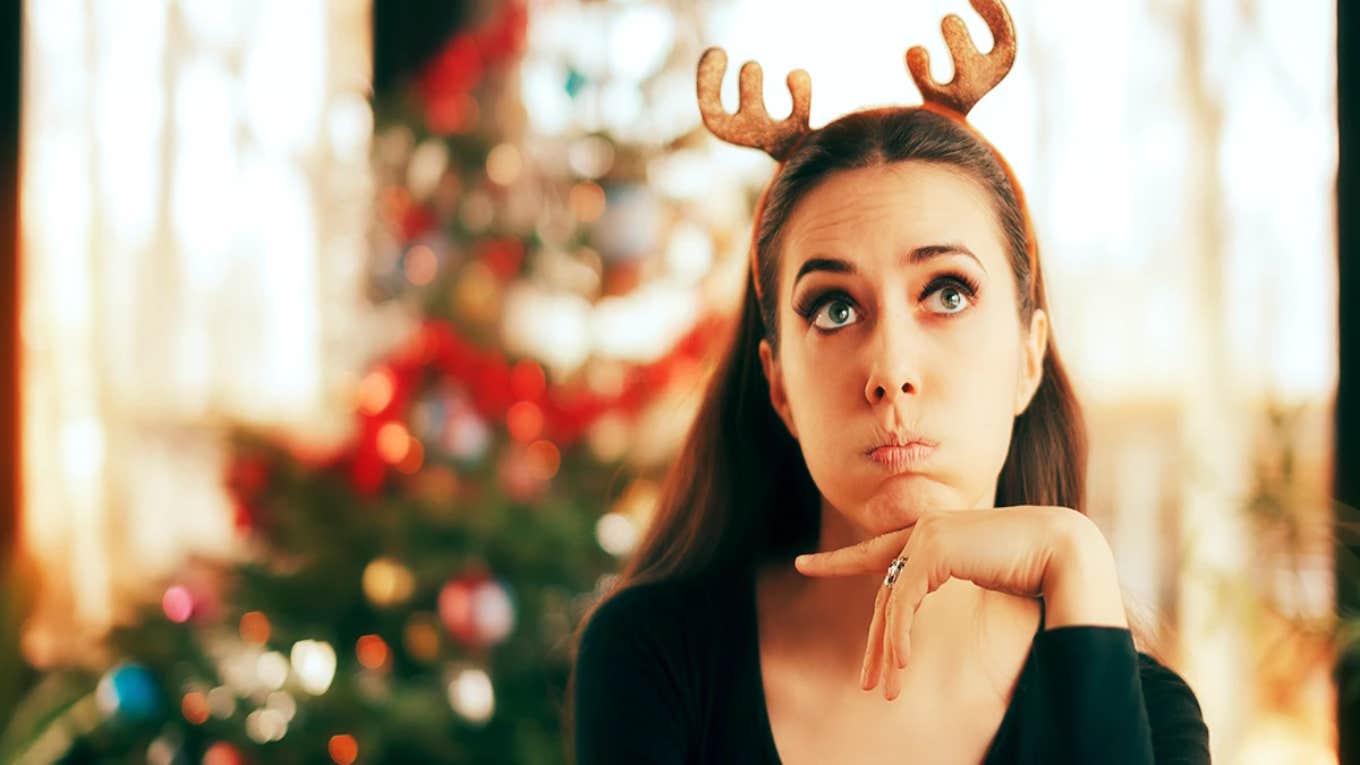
(975, 75)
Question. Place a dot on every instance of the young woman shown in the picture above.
(892, 405)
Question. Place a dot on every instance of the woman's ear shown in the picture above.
(774, 379)
(1034, 347)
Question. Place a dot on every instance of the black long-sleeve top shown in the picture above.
(669, 672)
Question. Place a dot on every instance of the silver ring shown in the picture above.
(894, 569)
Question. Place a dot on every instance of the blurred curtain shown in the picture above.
(195, 205)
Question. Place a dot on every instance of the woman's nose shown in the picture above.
(881, 389)
(892, 370)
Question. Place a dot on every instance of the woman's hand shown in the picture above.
(1026, 550)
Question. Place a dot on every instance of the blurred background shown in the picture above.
(346, 344)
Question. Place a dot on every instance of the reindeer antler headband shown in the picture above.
(975, 74)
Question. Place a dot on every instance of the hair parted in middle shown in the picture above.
(739, 491)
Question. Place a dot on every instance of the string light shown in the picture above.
(314, 663)
(471, 695)
(254, 627)
(343, 749)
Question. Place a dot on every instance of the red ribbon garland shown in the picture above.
(495, 384)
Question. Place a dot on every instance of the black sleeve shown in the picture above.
(627, 702)
(1114, 705)
(1179, 734)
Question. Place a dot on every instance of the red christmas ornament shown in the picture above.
(456, 606)
(247, 475)
(476, 608)
(246, 478)
(527, 380)
(223, 753)
(246, 516)
(503, 255)
(417, 221)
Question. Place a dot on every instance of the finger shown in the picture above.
(869, 555)
(892, 684)
(913, 586)
(898, 616)
(873, 650)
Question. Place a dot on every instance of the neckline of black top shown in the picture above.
(752, 611)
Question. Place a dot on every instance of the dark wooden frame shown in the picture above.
(15, 676)
(1347, 482)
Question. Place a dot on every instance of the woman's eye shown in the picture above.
(837, 313)
(953, 293)
(951, 299)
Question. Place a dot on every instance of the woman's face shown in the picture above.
(889, 327)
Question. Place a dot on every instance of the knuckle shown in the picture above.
(1079, 527)
(930, 521)
(926, 534)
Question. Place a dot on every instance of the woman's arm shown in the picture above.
(627, 704)
(1092, 690)
(1179, 734)
(1110, 703)
(1081, 582)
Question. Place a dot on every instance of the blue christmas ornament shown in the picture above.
(129, 690)
(575, 82)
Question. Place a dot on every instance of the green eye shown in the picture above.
(951, 299)
(951, 294)
(838, 312)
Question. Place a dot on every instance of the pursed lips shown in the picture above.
(903, 457)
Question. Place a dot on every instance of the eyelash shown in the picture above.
(813, 301)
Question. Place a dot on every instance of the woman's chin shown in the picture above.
(900, 503)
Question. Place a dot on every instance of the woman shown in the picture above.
(893, 403)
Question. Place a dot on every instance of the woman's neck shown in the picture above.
(829, 616)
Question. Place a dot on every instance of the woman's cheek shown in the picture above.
(988, 443)
(835, 476)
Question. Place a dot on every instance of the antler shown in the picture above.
(751, 125)
(974, 73)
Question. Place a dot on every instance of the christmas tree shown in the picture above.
(408, 594)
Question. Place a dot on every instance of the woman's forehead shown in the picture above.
(897, 207)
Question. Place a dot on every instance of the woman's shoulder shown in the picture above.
(633, 607)
(663, 610)
(1159, 678)
(1165, 684)
(1173, 710)
(1099, 670)
(1163, 687)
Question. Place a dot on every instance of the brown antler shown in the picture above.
(974, 73)
(751, 125)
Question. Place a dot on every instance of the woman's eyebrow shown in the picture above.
(929, 251)
(918, 255)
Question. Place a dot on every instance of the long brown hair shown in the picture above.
(739, 492)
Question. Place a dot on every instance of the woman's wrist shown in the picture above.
(1081, 586)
